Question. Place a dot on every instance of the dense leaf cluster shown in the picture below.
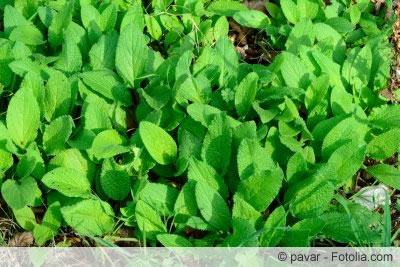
(142, 114)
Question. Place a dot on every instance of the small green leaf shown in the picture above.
(57, 100)
(172, 240)
(274, 228)
(246, 94)
(386, 174)
(57, 134)
(252, 19)
(50, 224)
(60, 22)
(290, 11)
(384, 145)
(153, 27)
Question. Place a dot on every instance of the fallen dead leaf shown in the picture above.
(256, 5)
(24, 239)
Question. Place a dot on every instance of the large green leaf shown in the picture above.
(23, 117)
(131, 53)
(89, 217)
(19, 194)
(212, 206)
(261, 188)
(216, 149)
(160, 145)
(68, 181)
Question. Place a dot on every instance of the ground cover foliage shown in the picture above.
(143, 116)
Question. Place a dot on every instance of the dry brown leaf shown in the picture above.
(256, 5)
(24, 239)
(242, 31)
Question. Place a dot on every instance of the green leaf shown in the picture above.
(102, 53)
(89, 217)
(108, 144)
(23, 117)
(216, 149)
(226, 8)
(60, 22)
(340, 24)
(108, 17)
(172, 240)
(290, 11)
(57, 134)
(73, 158)
(25, 218)
(261, 188)
(311, 197)
(242, 209)
(57, 98)
(19, 194)
(160, 197)
(244, 234)
(301, 37)
(386, 174)
(246, 94)
(384, 145)
(227, 60)
(185, 204)
(357, 68)
(153, 27)
(133, 15)
(324, 31)
(157, 96)
(202, 172)
(350, 129)
(293, 70)
(116, 184)
(212, 206)
(252, 19)
(107, 84)
(300, 233)
(386, 117)
(50, 224)
(351, 226)
(68, 181)
(26, 165)
(274, 228)
(252, 158)
(160, 145)
(70, 58)
(95, 110)
(148, 220)
(131, 53)
(348, 159)
(308, 8)
(28, 34)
